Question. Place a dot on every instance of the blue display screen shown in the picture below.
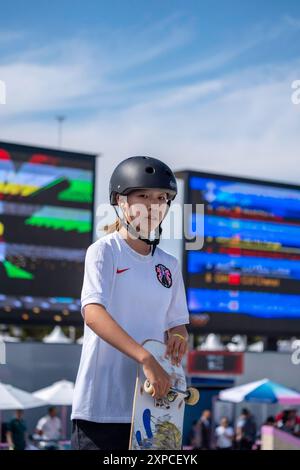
(248, 271)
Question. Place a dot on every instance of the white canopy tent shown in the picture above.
(7, 338)
(59, 393)
(12, 398)
(212, 343)
(57, 336)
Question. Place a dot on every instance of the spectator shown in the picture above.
(270, 421)
(246, 431)
(205, 430)
(194, 435)
(224, 435)
(296, 425)
(49, 427)
(16, 432)
(288, 424)
(280, 417)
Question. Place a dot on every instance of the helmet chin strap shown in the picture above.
(154, 242)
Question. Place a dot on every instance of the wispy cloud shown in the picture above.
(237, 120)
(294, 22)
(7, 37)
(62, 75)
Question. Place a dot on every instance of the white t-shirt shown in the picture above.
(51, 427)
(223, 437)
(145, 294)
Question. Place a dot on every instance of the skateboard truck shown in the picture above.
(191, 395)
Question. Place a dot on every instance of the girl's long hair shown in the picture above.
(112, 227)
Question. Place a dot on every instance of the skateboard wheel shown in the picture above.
(148, 387)
(193, 396)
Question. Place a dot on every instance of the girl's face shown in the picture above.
(144, 208)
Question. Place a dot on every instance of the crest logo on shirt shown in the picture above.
(163, 275)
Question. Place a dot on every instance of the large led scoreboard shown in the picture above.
(46, 224)
(246, 277)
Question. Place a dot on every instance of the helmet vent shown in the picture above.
(150, 170)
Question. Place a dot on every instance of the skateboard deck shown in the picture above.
(158, 423)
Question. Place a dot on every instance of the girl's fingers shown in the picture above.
(181, 351)
(175, 351)
(170, 347)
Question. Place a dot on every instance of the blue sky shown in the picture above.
(200, 84)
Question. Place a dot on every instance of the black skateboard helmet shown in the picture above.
(142, 173)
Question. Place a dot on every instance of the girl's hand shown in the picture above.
(157, 376)
(177, 346)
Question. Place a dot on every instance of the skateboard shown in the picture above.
(158, 423)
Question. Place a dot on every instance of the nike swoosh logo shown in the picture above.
(122, 270)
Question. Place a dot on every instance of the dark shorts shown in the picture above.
(87, 435)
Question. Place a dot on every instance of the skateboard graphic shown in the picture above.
(158, 423)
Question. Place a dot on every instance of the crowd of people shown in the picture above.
(242, 435)
(48, 429)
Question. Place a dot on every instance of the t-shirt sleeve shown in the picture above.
(41, 423)
(177, 313)
(98, 276)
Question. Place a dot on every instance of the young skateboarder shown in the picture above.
(132, 291)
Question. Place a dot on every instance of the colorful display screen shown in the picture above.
(46, 224)
(246, 278)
